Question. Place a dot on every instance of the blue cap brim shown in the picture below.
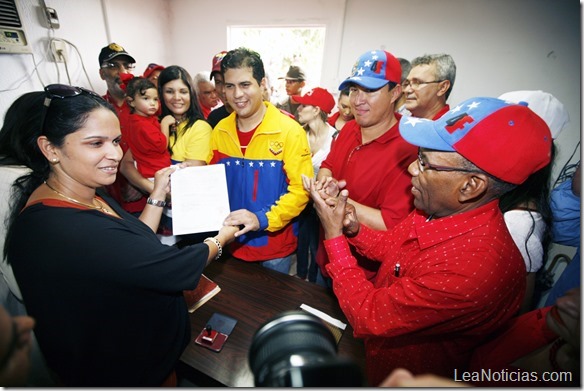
(371, 83)
(422, 133)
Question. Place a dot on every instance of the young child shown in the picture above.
(146, 137)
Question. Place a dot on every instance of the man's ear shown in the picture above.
(474, 186)
(48, 149)
(396, 93)
(444, 86)
(101, 74)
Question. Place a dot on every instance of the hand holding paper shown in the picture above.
(200, 200)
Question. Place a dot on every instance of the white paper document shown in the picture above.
(200, 201)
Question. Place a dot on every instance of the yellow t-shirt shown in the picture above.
(193, 143)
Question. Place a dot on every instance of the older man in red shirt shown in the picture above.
(450, 272)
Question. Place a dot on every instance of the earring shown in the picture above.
(55, 160)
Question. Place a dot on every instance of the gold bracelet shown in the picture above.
(218, 244)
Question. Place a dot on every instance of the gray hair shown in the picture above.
(445, 67)
(202, 77)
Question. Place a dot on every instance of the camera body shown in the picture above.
(296, 349)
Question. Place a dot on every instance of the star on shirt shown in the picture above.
(272, 164)
(237, 162)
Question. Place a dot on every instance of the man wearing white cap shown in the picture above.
(450, 272)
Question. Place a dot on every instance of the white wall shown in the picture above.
(498, 45)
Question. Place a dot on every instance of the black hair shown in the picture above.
(138, 85)
(21, 129)
(175, 72)
(535, 190)
(244, 58)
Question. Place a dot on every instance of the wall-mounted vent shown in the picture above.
(12, 35)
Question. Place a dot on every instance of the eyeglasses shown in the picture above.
(118, 65)
(62, 91)
(415, 83)
(427, 166)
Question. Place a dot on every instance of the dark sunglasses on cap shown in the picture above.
(62, 91)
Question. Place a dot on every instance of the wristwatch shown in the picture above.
(159, 203)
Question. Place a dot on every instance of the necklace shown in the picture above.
(91, 206)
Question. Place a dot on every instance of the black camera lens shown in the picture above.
(296, 349)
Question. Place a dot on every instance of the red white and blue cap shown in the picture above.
(374, 70)
(507, 140)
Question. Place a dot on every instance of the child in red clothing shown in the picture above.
(146, 137)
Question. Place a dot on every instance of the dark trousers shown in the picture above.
(308, 224)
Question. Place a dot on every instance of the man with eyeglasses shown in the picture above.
(114, 60)
(295, 82)
(450, 272)
(369, 155)
(115, 67)
(428, 85)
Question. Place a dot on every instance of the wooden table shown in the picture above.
(253, 294)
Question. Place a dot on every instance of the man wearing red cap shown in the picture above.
(220, 112)
(369, 154)
(152, 72)
(450, 273)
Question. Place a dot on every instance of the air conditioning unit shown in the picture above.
(12, 36)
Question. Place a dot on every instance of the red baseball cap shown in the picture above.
(216, 63)
(151, 68)
(318, 97)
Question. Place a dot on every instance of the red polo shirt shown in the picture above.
(442, 111)
(376, 174)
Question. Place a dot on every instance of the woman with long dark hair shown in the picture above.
(105, 293)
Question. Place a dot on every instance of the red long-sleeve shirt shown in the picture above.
(460, 278)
